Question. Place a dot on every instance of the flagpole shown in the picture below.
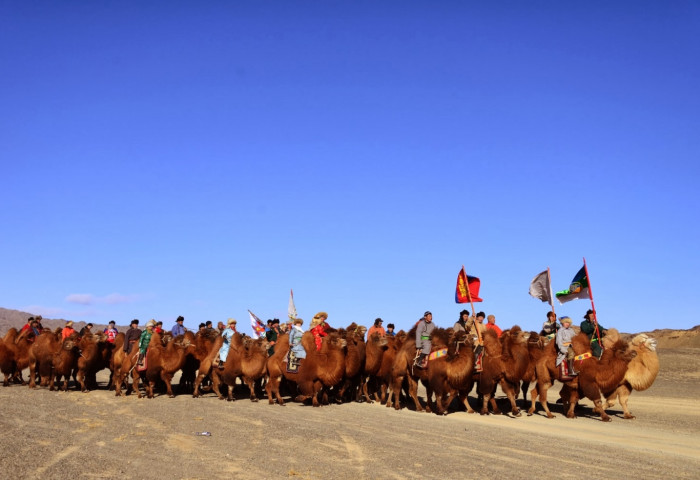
(550, 294)
(590, 294)
(469, 293)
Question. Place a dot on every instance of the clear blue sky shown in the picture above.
(171, 158)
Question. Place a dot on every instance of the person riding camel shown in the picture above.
(67, 330)
(272, 335)
(144, 340)
(424, 328)
(564, 349)
(461, 323)
(319, 328)
(476, 328)
(376, 328)
(132, 334)
(595, 332)
(549, 327)
(228, 335)
(296, 349)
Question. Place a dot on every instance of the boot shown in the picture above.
(221, 365)
(140, 362)
(572, 372)
(421, 360)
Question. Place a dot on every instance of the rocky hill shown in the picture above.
(15, 318)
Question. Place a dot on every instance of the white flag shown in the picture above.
(541, 287)
(291, 310)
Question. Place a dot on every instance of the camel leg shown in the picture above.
(599, 408)
(166, 377)
(413, 392)
(542, 393)
(396, 391)
(624, 393)
(465, 400)
(81, 380)
(533, 401)
(251, 386)
(510, 390)
(32, 375)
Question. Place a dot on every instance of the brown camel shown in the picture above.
(65, 362)
(597, 377)
(95, 352)
(375, 347)
(14, 353)
(403, 369)
(504, 362)
(19, 344)
(535, 347)
(116, 359)
(452, 374)
(386, 367)
(162, 362)
(8, 366)
(201, 357)
(125, 365)
(247, 358)
(641, 372)
(355, 355)
(41, 353)
(324, 368)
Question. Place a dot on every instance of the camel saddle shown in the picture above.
(292, 362)
(144, 367)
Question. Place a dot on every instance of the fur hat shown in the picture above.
(231, 321)
(427, 312)
(180, 319)
(377, 322)
(135, 321)
(112, 322)
(298, 321)
(563, 319)
(69, 323)
(464, 312)
(275, 321)
(151, 323)
(391, 325)
(319, 318)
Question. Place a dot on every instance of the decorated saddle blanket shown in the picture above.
(292, 362)
(437, 354)
(144, 367)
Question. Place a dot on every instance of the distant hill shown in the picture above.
(15, 318)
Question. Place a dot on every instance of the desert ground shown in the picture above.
(97, 435)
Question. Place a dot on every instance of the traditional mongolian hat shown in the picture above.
(298, 321)
(231, 321)
(319, 318)
(151, 323)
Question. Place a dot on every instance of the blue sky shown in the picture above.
(171, 158)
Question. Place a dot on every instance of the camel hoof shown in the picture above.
(549, 415)
(606, 419)
(629, 416)
(253, 399)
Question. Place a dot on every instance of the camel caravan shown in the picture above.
(460, 372)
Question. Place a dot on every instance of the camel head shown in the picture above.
(461, 339)
(642, 341)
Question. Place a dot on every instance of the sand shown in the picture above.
(97, 435)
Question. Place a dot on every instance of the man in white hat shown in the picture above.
(228, 335)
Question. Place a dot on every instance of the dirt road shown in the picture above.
(97, 435)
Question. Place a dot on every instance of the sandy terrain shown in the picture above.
(97, 435)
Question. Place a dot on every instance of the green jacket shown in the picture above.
(144, 340)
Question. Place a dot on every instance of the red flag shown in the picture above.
(474, 283)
